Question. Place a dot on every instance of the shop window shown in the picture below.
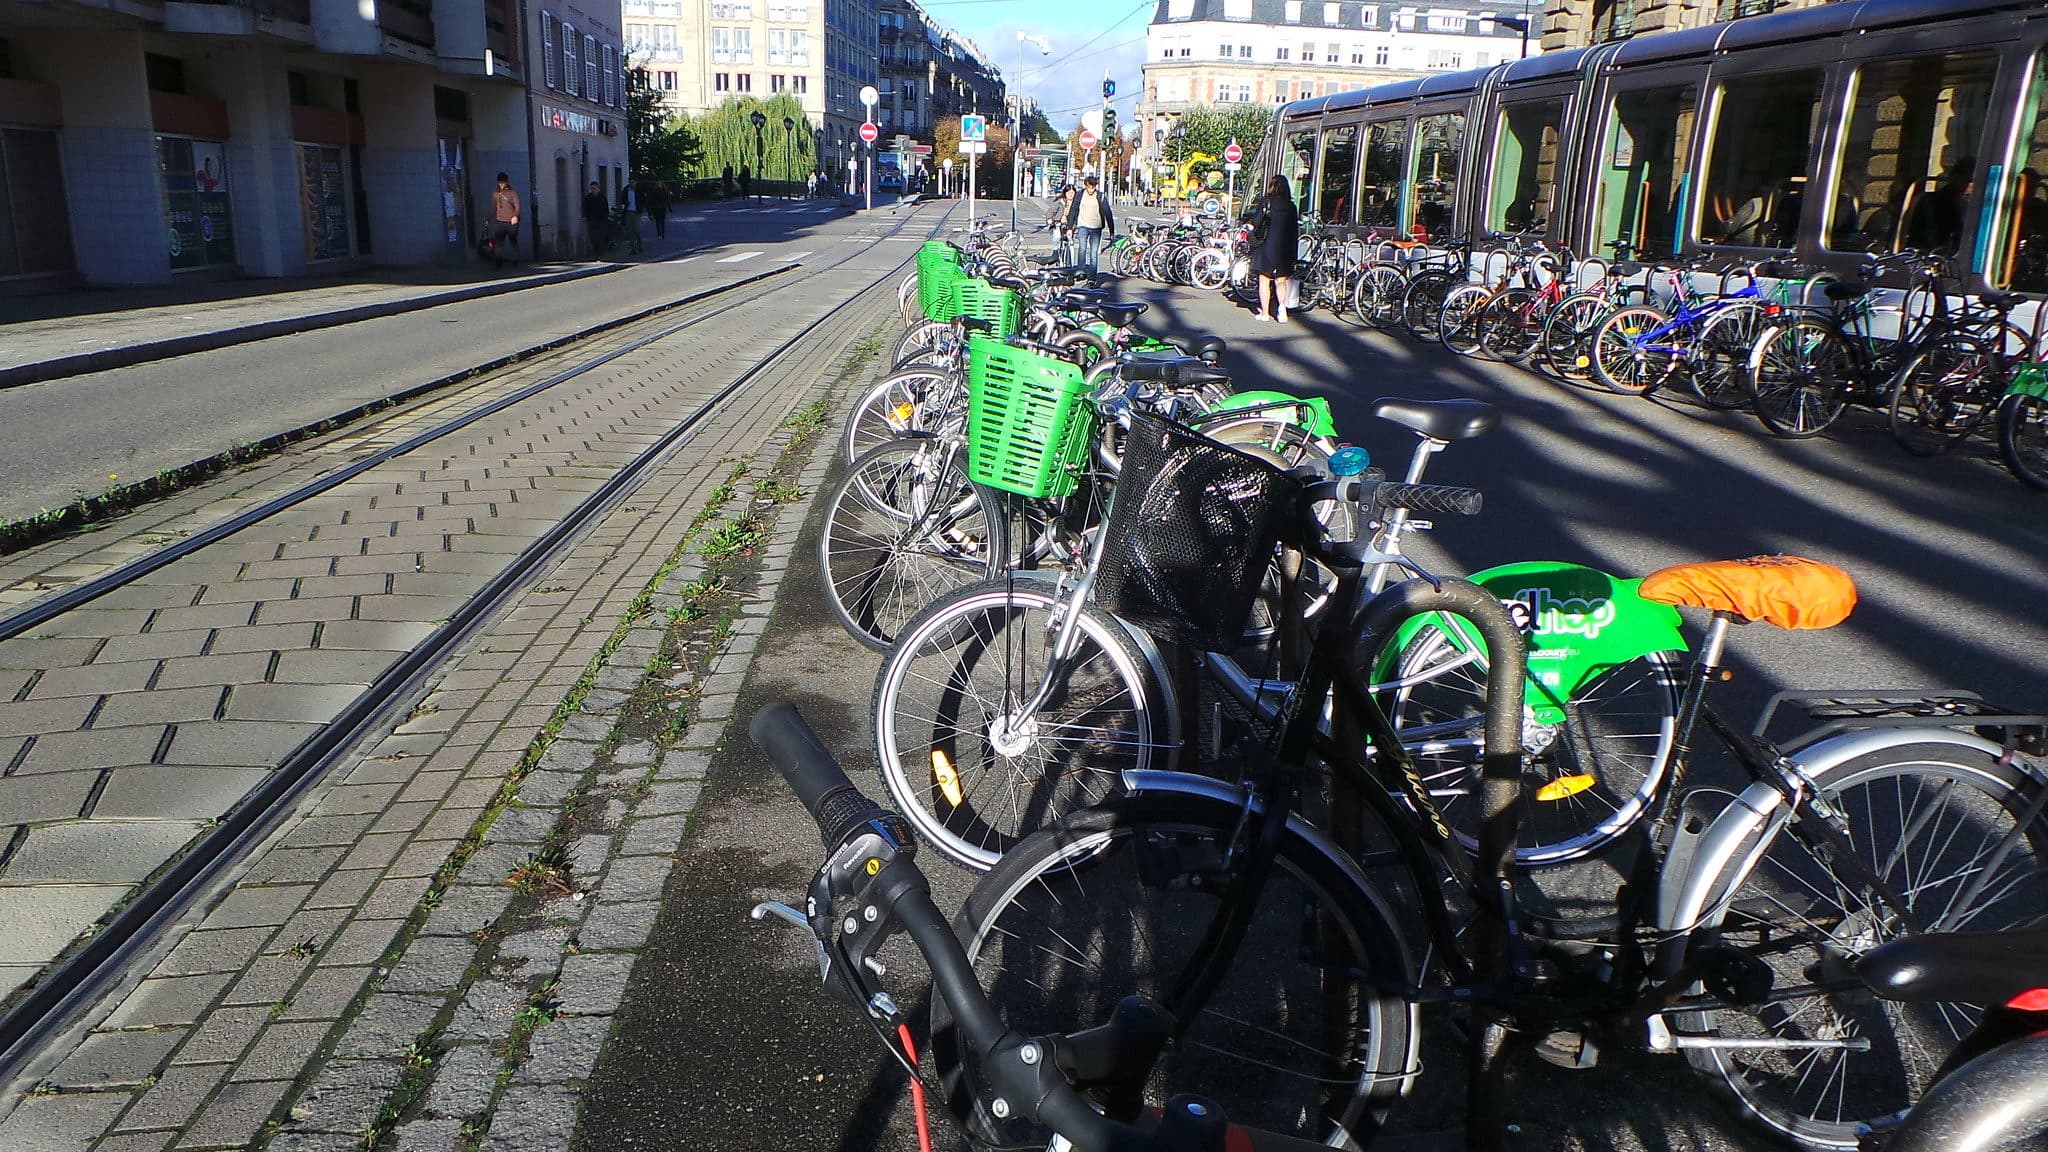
(1645, 170)
(1916, 132)
(198, 218)
(1756, 174)
(1379, 197)
(1525, 168)
(164, 73)
(323, 202)
(1438, 140)
(6, 59)
(1340, 164)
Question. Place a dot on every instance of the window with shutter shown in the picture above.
(610, 67)
(572, 68)
(590, 85)
(548, 31)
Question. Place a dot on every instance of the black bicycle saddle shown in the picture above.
(1969, 967)
(1440, 419)
(1120, 315)
(1210, 348)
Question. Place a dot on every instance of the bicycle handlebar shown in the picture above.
(1433, 499)
(820, 784)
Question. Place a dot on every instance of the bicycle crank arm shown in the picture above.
(1663, 1039)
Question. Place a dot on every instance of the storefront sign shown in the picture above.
(565, 120)
(197, 216)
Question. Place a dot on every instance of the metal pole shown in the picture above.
(532, 206)
(971, 166)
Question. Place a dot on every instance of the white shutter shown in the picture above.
(547, 47)
(572, 68)
(590, 86)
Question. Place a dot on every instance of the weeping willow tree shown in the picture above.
(727, 136)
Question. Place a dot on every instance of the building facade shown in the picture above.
(1578, 23)
(579, 132)
(142, 140)
(1273, 51)
(930, 72)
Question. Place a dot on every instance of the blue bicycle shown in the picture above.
(1704, 342)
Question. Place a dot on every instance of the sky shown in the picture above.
(1086, 37)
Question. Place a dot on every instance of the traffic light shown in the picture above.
(1108, 87)
(1109, 123)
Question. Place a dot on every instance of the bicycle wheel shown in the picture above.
(1377, 299)
(1799, 376)
(1617, 737)
(1944, 394)
(970, 768)
(1720, 358)
(1422, 302)
(1113, 902)
(1624, 358)
(903, 527)
(1926, 820)
(1210, 270)
(916, 401)
(1511, 326)
(1458, 322)
(2023, 439)
(1568, 335)
(919, 339)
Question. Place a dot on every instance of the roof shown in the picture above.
(1275, 12)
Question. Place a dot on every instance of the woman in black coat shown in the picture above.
(1276, 233)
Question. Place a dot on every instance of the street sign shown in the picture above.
(868, 132)
(1086, 140)
(1233, 154)
(1108, 88)
(1230, 166)
(869, 96)
(973, 127)
(974, 147)
(921, 149)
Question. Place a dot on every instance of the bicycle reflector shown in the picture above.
(946, 777)
(1564, 788)
(2032, 1000)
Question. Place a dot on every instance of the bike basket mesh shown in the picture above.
(938, 292)
(1001, 307)
(1028, 426)
(1191, 531)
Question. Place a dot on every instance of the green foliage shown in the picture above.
(1209, 127)
(727, 136)
(659, 145)
(1036, 126)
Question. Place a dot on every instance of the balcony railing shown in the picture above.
(1737, 9)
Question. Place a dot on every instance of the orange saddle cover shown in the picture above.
(1789, 591)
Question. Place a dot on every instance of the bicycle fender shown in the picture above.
(1312, 412)
(1580, 622)
(1997, 1102)
(2029, 381)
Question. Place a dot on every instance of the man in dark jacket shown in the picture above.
(597, 220)
(1088, 218)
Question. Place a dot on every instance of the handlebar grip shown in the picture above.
(813, 774)
(1434, 499)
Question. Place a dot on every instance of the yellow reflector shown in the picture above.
(904, 411)
(1585, 361)
(948, 780)
(1558, 789)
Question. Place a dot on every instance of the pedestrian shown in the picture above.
(1276, 232)
(504, 231)
(1088, 218)
(597, 220)
(654, 202)
(629, 216)
(725, 184)
(746, 182)
(811, 185)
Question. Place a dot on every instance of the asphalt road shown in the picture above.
(68, 436)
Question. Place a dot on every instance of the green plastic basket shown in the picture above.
(1001, 307)
(937, 253)
(938, 292)
(1029, 427)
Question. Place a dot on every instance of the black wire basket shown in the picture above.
(1191, 532)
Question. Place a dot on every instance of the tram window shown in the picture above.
(2019, 248)
(1525, 168)
(1645, 169)
(1438, 140)
(1340, 163)
(1379, 199)
(1915, 134)
(1295, 163)
(1756, 175)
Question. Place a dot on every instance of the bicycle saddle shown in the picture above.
(1045, 260)
(1016, 283)
(1120, 315)
(1082, 299)
(1209, 348)
(975, 324)
(1846, 289)
(2000, 300)
(1789, 591)
(1975, 967)
(1440, 419)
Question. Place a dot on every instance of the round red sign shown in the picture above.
(1233, 154)
(869, 133)
(1087, 140)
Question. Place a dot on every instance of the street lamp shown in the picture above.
(789, 154)
(760, 149)
(1017, 122)
(1520, 24)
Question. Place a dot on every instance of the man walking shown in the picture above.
(504, 220)
(597, 220)
(654, 202)
(1089, 218)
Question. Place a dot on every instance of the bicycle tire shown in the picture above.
(1210, 270)
(1127, 881)
(1511, 328)
(1720, 361)
(1422, 302)
(1458, 325)
(1798, 377)
(1777, 902)
(1378, 296)
(1622, 363)
(948, 686)
(904, 526)
(919, 339)
(1567, 343)
(910, 402)
(2023, 439)
(1943, 395)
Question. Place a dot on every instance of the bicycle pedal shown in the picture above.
(1568, 1049)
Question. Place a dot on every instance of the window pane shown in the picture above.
(1914, 138)
(1645, 160)
(1340, 163)
(1756, 176)
(1437, 140)
(1296, 163)
(2018, 255)
(1525, 171)
(1379, 201)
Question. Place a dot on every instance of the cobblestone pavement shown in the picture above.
(351, 941)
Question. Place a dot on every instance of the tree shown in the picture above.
(659, 144)
(1037, 127)
(727, 132)
(992, 173)
(1209, 127)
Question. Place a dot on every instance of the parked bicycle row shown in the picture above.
(1251, 789)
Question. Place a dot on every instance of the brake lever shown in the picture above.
(783, 911)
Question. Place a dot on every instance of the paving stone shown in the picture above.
(464, 1081)
(95, 679)
(224, 1035)
(98, 850)
(431, 964)
(591, 729)
(318, 608)
(603, 701)
(249, 907)
(168, 1000)
(327, 831)
(44, 796)
(491, 864)
(570, 755)
(715, 707)
(236, 1114)
(308, 931)
(658, 836)
(208, 950)
(327, 665)
(235, 743)
(636, 878)
(587, 856)
(374, 635)
(248, 591)
(163, 706)
(156, 644)
(538, 948)
(268, 980)
(616, 679)
(467, 908)
(593, 984)
(116, 1059)
(264, 638)
(199, 671)
(327, 993)
(387, 1024)
(136, 1142)
(169, 793)
(486, 1012)
(427, 1136)
(282, 1051)
(362, 942)
(46, 652)
(202, 616)
(62, 1123)
(548, 789)
(344, 1096)
(635, 753)
(519, 825)
(308, 703)
(92, 748)
(315, 1142)
(564, 1049)
(295, 865)
(615, 926)
(674, 798)
(533, 1118)
(397, 897)
(685, 765)
(41, 921)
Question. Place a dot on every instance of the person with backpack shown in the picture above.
(1088, 218)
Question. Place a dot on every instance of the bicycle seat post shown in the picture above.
(1397, 521)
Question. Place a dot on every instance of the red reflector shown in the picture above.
(2033, 1000)
(1772, 309)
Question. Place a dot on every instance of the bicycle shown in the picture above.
(2023, 428)
(1703, 339)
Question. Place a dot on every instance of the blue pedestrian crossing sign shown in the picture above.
(973, 127)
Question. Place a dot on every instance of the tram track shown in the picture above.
(95, 964)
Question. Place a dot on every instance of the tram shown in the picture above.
(1856, 127)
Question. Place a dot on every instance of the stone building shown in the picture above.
(1577, 23)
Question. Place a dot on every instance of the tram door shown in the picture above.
(1645, 169)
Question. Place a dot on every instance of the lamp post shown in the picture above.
(760, 149)
(1017, 121)
(789, 154)
(1520, 24)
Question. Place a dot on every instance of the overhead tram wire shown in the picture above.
(1142, 6)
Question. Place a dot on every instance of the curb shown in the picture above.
(84, 363)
